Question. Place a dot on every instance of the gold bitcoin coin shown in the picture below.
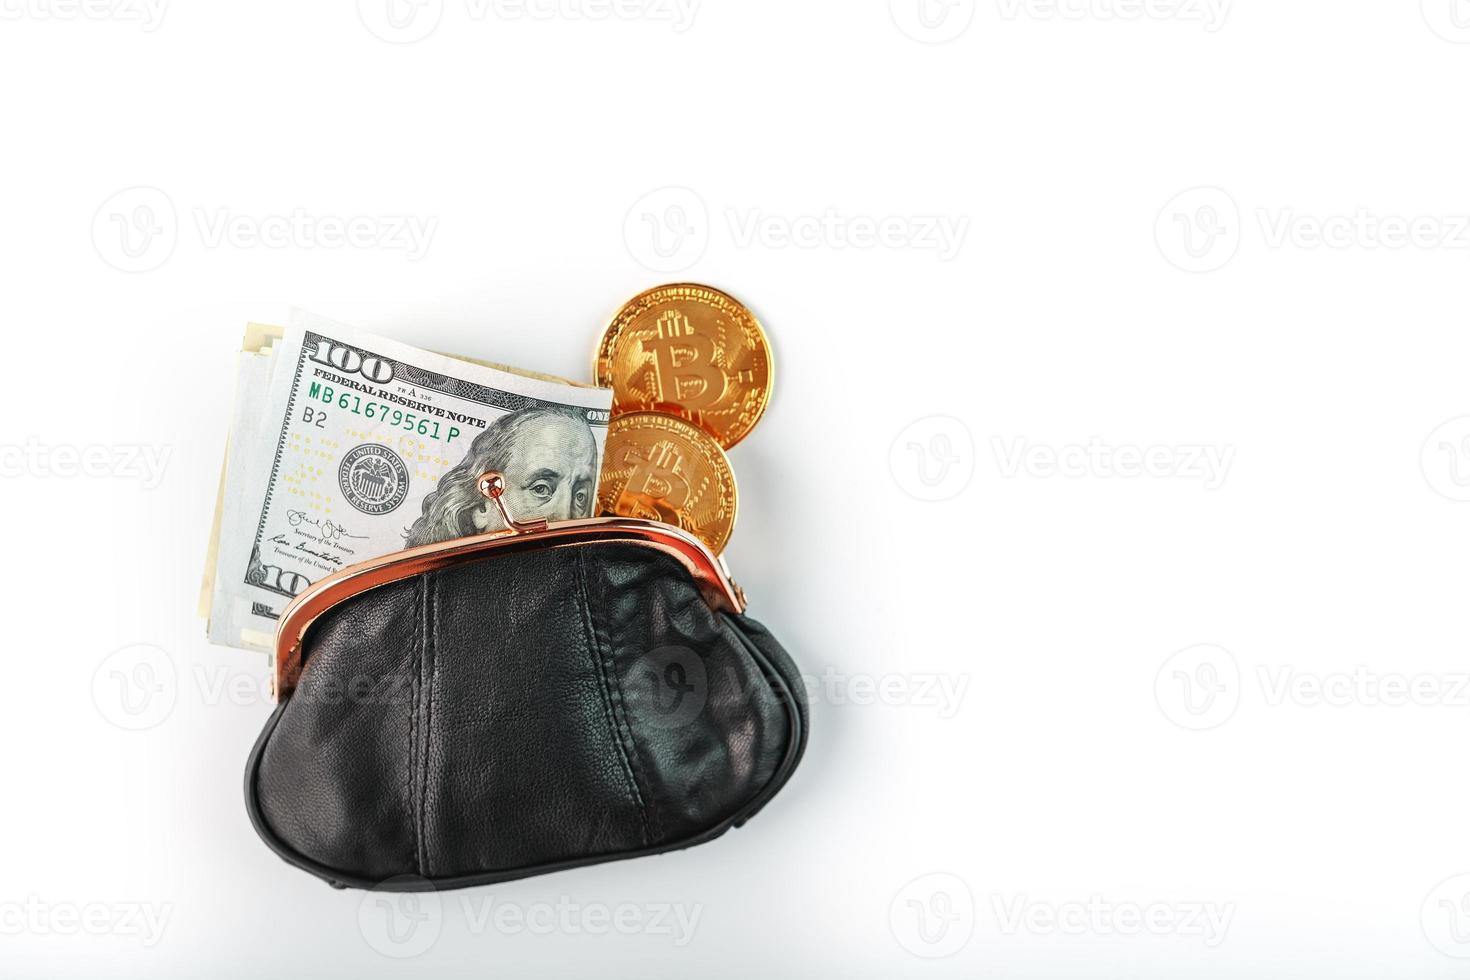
(661, 468)
(691, 351)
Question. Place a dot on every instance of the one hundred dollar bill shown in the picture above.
(345, 446)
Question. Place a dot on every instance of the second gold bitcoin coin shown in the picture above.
(691, 351)
(662, 468)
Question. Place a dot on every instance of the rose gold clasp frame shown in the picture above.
(707, 570)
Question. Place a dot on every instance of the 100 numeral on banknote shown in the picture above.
(378, 447)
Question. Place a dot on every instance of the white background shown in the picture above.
(1096, 297)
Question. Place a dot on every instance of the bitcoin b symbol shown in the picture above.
(660, 467)
(684, 368)
(656, 483)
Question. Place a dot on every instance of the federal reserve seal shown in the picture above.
(374, 478)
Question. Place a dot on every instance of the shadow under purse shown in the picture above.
(527, 700)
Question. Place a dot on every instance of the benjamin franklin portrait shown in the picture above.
(549, 460)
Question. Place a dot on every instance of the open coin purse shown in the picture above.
(527, 700)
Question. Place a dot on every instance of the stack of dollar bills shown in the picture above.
(344, 446)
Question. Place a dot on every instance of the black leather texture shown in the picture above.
(525, 713)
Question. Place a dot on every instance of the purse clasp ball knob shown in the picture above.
(492, 485)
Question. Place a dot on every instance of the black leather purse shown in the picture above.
(528, 700)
